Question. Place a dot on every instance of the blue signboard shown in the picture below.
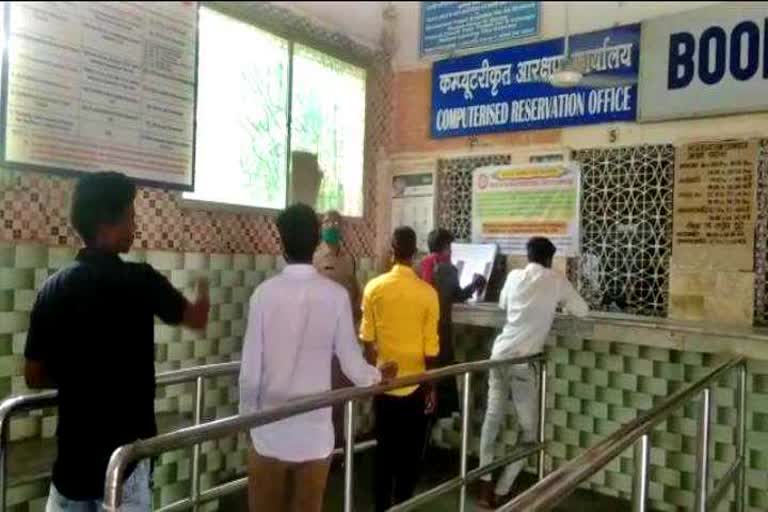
(448, 26)
(505, 90)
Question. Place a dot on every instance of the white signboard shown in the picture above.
(705, 62)
(98, 86)
(472, 260)
(413, 197)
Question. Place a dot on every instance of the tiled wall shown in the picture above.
(23, 268)
(35, 208)
(597, 384)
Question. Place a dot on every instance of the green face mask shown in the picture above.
(332, 236)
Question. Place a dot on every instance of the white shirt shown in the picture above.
(530, 297)
(298, 320)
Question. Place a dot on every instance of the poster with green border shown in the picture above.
(512, 203)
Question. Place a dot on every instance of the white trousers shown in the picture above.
(520, 382)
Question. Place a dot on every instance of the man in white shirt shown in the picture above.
(530, 297)
(298, 321)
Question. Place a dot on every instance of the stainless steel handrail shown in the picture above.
(560, 483)
(191, 436)
(16, 404)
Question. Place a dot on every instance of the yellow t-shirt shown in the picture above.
(400, 315)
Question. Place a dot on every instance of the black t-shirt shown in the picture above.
(93, 329)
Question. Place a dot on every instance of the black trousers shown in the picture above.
(401, 433)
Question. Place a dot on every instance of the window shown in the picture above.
(626, 227)
(241, 155)
(329, 120)
(241, 150)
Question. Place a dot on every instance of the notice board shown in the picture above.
(413, 204)
(715, 205)
(512, 203)
(94, 86)
(449, 26)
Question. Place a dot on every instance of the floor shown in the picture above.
(441, 466)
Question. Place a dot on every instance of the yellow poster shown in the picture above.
(511, 204)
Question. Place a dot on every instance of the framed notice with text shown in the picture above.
(450, 26)
(512, 203)
(101, 86)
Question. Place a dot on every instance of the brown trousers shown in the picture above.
(278, 486)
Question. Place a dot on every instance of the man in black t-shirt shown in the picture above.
(91, 336)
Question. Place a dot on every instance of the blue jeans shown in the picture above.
(137, 495)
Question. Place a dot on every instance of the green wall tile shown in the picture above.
(60, 257)
(17, 279)
(196, 261)
(264, 263)
(31, 256)
(243, 261)
(12, 322)
(623, 381)
(7, 302)
(7, 254)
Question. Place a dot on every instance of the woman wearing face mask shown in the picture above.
(335, 263)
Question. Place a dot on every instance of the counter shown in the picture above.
(606, 369)
(637, 330)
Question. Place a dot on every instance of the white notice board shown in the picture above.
(471, 259)
(413, 204)
(96, 86)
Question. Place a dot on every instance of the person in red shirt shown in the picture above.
(438, 270)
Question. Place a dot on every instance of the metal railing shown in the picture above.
(14, 405)
(193, 436)
(562, 482)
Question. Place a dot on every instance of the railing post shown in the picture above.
(540, 469)
(640, 487)
(741, 439)
(199, 401)
(702, 470)
(4, 461)
(465, 416)
(349, 455)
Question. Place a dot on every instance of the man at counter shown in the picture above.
(91, 336)
(530, 297)
(400, 316)
(438, 270)
(297, 321)
(335, 263)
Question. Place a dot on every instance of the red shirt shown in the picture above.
(428, 265)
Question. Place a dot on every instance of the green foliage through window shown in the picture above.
(242, 118)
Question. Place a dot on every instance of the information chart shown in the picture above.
(472, 260)
(511, 204)
(98, 86)
(413, 197)
(715, 191)
(449, 26)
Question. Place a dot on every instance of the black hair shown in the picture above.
(541, 250)
(300, 232)
(100, 199)
(404, 243)
(439, 239)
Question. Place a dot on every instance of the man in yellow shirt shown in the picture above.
(400, 317)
